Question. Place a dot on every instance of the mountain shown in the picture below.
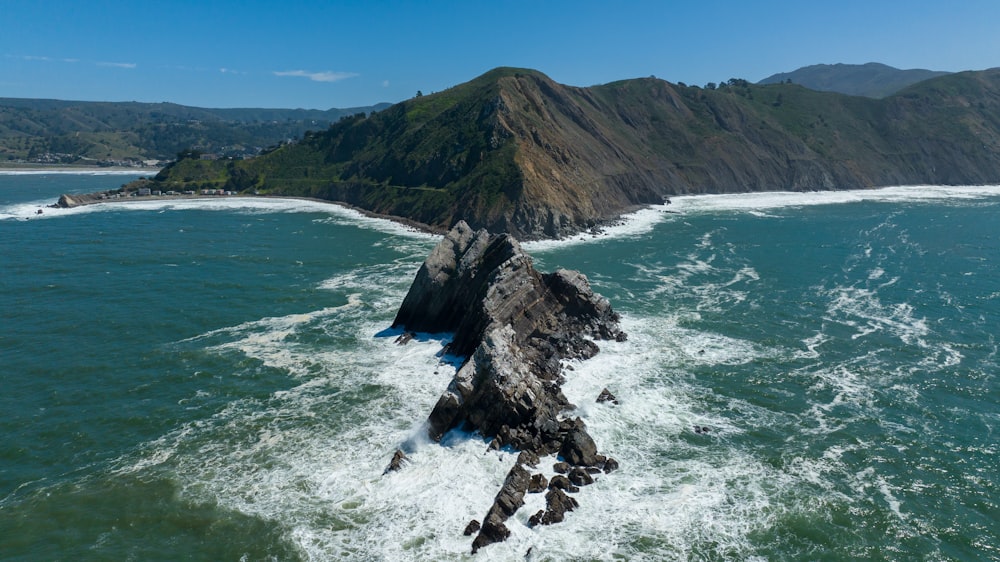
(871, 80)
(513, 151)
(74, 132)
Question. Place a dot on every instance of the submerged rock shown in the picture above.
(515, 326)
(606, 396)
(399, 458)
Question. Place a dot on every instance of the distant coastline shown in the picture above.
(9, 168)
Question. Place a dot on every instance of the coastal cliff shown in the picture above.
(514, 151)
(515, 326)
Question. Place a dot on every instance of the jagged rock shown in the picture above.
(471, 528)
(399, 458)
(537, 484)
(610, 465)
(506, 503)
(528, 458)
(515, 326)
(606, 396)
(560, 482)
(557, 503)
(491, 532)
(580, 477)
(578, 447)
(536, 519)
(561, 467)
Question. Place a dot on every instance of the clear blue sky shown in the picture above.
(323, 54)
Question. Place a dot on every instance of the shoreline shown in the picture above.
(88, 199)
(39, 168)
(633, 220)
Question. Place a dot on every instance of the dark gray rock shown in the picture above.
(528, 458)
(472, 528)
(606, 396)
(399, 458)
(557, 503)
(580, 477)
(506, 503)
(515, 326)
(560, 482)
(578, 447)
(538, 483)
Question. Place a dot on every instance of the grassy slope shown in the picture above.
(512, 150)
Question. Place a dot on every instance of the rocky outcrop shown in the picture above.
(515, 326)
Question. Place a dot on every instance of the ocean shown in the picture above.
(214, 380)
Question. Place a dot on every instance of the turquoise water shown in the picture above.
(210, 380)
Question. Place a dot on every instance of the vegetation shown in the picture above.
(88, 132)
(512, 150)
(871, 80)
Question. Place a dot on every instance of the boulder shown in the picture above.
(537, 484)
(560, 482)
(397, 462)
(606, 396)
(578, 447)
(580, 477)
(557, 503)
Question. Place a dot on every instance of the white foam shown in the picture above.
(862, 309)
(311, 457)
(338, 214)
(630, 225)
(760, 201)
(759, 204)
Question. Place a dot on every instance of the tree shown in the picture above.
(419, 94)
(710, 86)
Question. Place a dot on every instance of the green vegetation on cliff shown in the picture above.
(58, 131)
(514, 151)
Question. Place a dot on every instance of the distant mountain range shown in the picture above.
(74, 132)
(514, 151)
(871, 80)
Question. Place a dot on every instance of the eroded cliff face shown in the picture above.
(515, 326)
(513, 151)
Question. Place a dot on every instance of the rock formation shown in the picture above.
(515, 326)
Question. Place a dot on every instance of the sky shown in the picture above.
(326, 54)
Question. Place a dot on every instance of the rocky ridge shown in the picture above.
(515, 326)
(514, 151)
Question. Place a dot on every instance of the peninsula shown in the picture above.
(513, 151)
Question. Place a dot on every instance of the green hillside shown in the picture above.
(871, 80)
(514, 151)
(55, 131)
